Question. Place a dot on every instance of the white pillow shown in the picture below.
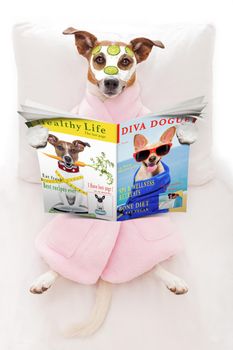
(51, 72)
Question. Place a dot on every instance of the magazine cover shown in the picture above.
(152, 171)
(78, 167)
(114, 171)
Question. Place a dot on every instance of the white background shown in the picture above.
(217, 12)
(220, 14)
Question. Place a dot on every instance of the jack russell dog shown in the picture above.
(112, 95)
(68, 152)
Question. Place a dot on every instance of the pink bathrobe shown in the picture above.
(85, 250)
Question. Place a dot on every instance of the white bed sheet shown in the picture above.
(143, 315)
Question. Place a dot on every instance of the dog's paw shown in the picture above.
(37, 136)
(187, 133)
(176, 285)
(43, 282)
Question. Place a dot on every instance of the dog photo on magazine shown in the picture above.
(115, 171)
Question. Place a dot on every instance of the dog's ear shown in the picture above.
(84, 41)
(52, 139)
(80, 144)
(84, 144)
(143, 46)
(168, 134)
(140, 141)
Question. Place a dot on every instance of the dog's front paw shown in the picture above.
(43, 282)
(187, 133)
(37, 136)
(176, 285)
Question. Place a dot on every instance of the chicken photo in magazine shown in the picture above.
(152, 173)
(78, 167)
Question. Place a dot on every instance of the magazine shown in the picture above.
(113, 171)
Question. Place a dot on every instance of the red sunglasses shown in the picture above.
(160, 151)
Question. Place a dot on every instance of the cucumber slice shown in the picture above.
(113, 50)
(96, 50)
(111, 70)
(129, 51)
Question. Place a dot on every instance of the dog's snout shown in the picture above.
(111, 83)
(152, 159)
(68, 159)
(111, 86)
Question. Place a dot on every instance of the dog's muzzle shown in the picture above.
(68, 161)
(111, 86)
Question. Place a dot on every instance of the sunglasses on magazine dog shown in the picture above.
(160, 151)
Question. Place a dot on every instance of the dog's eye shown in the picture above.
(125, 62)
(73, 150)
(99, 59)
(60, 148)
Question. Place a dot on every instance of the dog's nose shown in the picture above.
(111, 83)
(152, 159)
(68, 159)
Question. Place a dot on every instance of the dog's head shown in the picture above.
(68, 151)
(112, 65)
(151, 154)
(99, 199)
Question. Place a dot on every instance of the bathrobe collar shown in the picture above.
(126, 106)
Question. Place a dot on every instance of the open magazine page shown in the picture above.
(78, 167)
(118, 172)
(152, 170)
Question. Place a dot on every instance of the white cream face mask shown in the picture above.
(111, 69)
